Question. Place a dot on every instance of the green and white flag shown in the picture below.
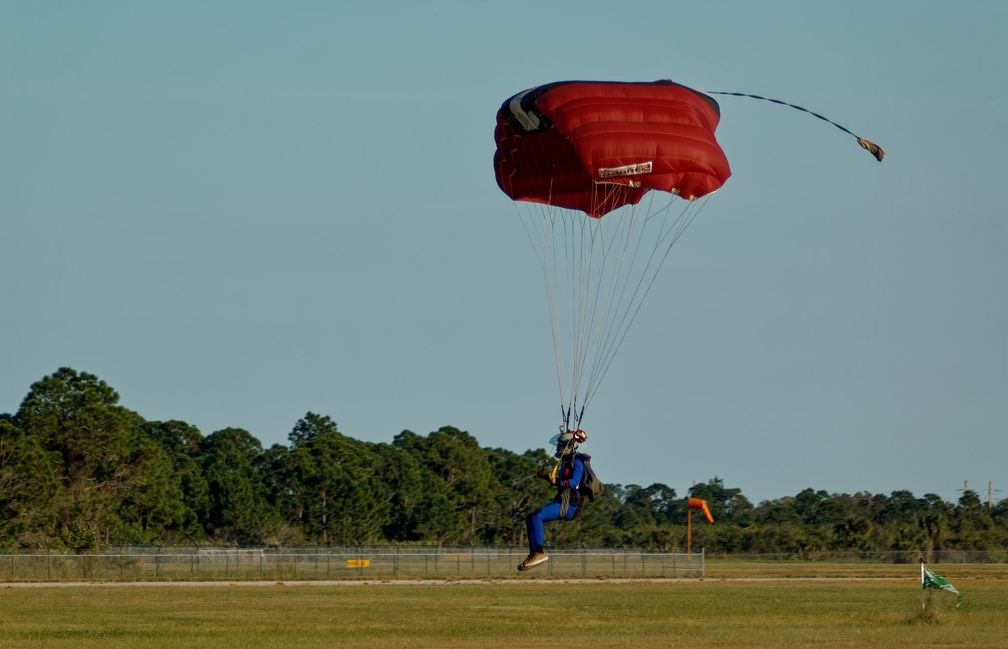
(931, 580)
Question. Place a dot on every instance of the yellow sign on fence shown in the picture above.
(358, 563)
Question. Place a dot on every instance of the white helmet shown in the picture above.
(568, 441)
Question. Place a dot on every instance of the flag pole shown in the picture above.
(922, 583)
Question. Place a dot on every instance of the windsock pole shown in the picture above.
(689, 532)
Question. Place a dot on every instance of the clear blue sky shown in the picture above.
(238, 212)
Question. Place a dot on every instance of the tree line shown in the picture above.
(79, 472)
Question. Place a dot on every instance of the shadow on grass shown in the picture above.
(930, 614)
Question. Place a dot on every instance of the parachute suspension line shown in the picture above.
(565, 417)
(581, 233)
(867, 145)
(597, 274)
(593, 253)
(578, 418)
(623, 247)
(602, 258)
(554, 290)
(578, 279)
(539, 222)
(550, 278)
(632, 238)
(670, 234)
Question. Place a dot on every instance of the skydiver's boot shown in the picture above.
(536, 558)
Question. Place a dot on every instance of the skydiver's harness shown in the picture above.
(588, 487)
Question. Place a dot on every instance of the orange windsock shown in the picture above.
(697, 503)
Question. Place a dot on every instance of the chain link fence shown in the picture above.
(209, 564)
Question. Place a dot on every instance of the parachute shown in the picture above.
(578, 158)
(594, 146)
(606, 176)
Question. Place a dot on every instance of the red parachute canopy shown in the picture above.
(595, 146)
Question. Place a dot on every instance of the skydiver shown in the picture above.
(566, 477)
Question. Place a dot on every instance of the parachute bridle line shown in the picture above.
(867, 145)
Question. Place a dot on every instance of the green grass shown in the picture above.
(752, 613)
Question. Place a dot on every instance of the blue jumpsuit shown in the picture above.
(569, 478)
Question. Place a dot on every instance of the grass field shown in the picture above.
(752, 610)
